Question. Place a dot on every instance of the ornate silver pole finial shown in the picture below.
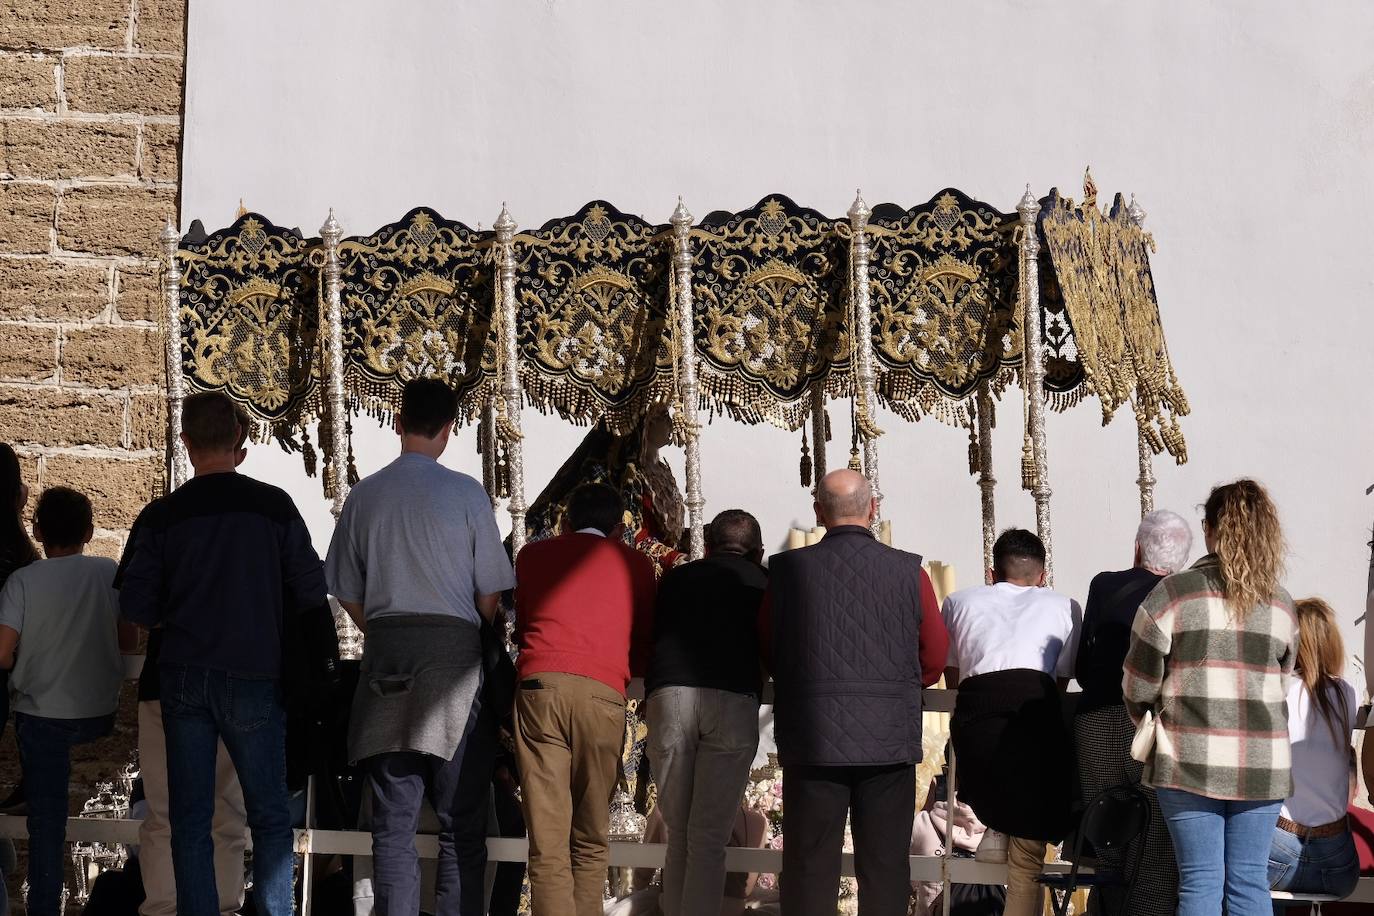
(511, 394)
(685, 307)
(1033, 372)
(176, 463)
(858, 211)
(1137, 212)
(681, 215)
(337, 455)
(504, 223)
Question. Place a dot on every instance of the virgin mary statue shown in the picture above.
(631, 464)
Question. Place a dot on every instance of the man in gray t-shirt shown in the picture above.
(418, 563)
(417, 538)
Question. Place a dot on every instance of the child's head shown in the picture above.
(63, 521)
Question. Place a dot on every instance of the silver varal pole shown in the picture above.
(687, 375)
(1145, 454)
(987, 483)
(337, 446)
(1146, 481)
(510, 378)
(176, 386)
(863, 347)
(1034, 380)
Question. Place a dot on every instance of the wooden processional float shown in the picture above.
(600, 315)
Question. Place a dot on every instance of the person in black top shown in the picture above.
(703, 686)
(229, 827)
(1102, 729)
(214, 565)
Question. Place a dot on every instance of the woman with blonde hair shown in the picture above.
(1313, 851)
(1211, 648)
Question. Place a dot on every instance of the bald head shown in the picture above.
(844, 497)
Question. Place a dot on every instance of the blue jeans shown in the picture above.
(1327, 865)
(1222, 849)
(200, 708)
(459, 791)
(45, 750)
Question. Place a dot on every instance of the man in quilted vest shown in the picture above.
(853, 632)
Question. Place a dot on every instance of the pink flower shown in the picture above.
(776, 842)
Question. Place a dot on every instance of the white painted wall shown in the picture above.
(1244, 127)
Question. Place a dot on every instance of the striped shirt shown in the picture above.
(1216, 687)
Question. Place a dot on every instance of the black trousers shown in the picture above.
(881, 801)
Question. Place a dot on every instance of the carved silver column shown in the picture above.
(511, 395)
(171, 297)
(1144, 452)
(336, 449)
(1146, 480)
(687, 374)
(818, 431)
(861, 332)
(987, 483)
(1033, 375)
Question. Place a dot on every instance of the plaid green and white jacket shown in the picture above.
(1217, 687)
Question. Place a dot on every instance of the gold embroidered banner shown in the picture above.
(1102, 269)
(943, 283)
(593, 304)
(769, 285)
(417, 303)
(250, 320)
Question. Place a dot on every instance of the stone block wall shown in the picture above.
(90, 133)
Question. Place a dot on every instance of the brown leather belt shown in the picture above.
(1335, 828)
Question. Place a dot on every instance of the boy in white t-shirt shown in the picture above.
(58, 635)
(1012, 647)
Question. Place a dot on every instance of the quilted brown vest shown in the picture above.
(846, 620)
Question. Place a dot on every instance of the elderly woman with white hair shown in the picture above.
(1102, 728)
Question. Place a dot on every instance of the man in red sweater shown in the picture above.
(584, 605)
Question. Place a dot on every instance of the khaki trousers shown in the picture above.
(569, 732)
(1025, 862)
(229, 830)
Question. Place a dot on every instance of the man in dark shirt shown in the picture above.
(213, 565)
(703, 689)
(1162, 544)
(230, 829)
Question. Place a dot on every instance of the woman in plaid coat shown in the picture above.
(1211, 651)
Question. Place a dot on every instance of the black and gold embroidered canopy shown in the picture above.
(592, 300)
(1100, 264)
(250, 320)
(416, 301)
(596, 337)
(943, 287)
(769, 288)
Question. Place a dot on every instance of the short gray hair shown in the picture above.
(1164, 540)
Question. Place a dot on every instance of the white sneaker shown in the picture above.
(992, 849)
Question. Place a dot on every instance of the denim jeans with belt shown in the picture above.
(1222, 849)
(45, 751)
(201, 707)
(1324, 865)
